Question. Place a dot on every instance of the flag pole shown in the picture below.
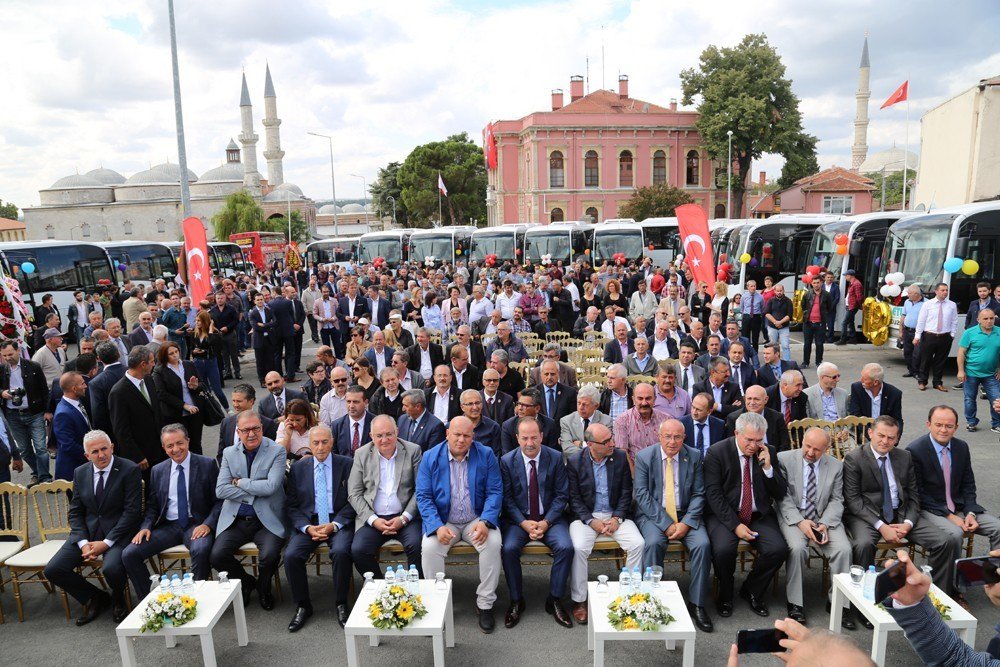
(906, 145)
(440, 219)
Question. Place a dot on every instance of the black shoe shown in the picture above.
(756, 605)
(724, 608)
(805, 365)
(342, 614)
(796, 613)
(266, 600)
(486, 621)
(861, 618)
(555, 607)
(847, 620)
(909, 375)
(842, 341)
(249, 585)
(95, 606)
(514, 612)
(701, 618)
(238, 376)
(301, 615)
(958, 385)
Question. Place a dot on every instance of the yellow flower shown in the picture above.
(188, 602)
(396, 590)
(618, 601)
(638, 598)
(405, 610)
(164, 597)
(631, 623)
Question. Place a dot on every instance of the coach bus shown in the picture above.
(144, 262)
(392, 246)
(504, 241)
(566, 241)
(61, 269)
(228, 259)
(444, 244)
(261, 248)
(341, 251)
(775, 245)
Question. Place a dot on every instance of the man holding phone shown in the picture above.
(810, 515)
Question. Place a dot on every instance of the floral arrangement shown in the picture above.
(546, 260)
(639, 611)
(941, 607)
(379, 262)
(429, 260)
(168, 609)
(292, 259)
(395, 607)
(13, 325)
(491, 260)
(619, 258)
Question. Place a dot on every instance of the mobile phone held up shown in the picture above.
(976, 571)
(890, 580)
(760, 641)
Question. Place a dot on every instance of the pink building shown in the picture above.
(584, 159)
(834, 190)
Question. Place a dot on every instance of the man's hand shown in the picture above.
(141, 536)
(677, 530)
(200, 532)
(540, 528)
(744, 533)
(888, 533)
(917, 583)
(971, 525)
(17, 465)
(764, 457)
(381, 525)
(957, 520)
(235, 481)
(5, 395)
(808, 527)
(797, 633)
(445, 535)
(824, 533)
(598, 525)
(902, 529)
(316, 533)
(612, 525)
(734, 657)
(92, 550)
(480, 533)
(144, 464)
(48, 416)
(960, 375)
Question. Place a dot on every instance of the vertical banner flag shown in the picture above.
(198, 273)
(489, 147)
(899, 96)
(696, 244)
(441, 187)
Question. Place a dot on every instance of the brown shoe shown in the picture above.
(580, 612)
(941, 387)
(922, 386)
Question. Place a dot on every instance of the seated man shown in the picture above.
(181, 509)
(105, 510)
(755, 400)
(702, 429)
(573, 427)
(460, 496)
(384, 497)
(825, 400)
(319, 513)
(725, 393)
(669, 501)
(600, 497)
(872, 396)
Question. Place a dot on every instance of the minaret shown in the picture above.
(859, 151)
(272, 140)
(251, 177)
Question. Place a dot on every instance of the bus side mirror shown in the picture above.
(962, 246)
(856, 246)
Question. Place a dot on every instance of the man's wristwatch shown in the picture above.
(489, 524)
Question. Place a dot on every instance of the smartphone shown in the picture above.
(976, 571)
(890, 580)
(819, 535)
(760, 641)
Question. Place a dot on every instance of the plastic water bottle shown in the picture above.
(401, 577)
(868, 585)
(164, 584)
(636, 580)
(187, 585)
(390, 576)
(624, 582)
(175, 585)
(413, 577)
(647, 580)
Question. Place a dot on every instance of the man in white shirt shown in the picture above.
(608, 327)
(333, 405)
(506, 301)
(661, 342)
(480, 306)
(937, 326)
(442, 396)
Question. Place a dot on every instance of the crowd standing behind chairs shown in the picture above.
(520, 416)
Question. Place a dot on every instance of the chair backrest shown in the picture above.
(850, 432)
(51, 502)
(593, 367)
(798, 427)
(521, 367)
(557, 336)
(14, 511)
(633, 380)
(593, 380)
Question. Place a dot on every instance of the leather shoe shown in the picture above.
(756, 605)
(486, 620)
(513, 613)
(266, 600)
(908, 375)
(725, 608)
(580, 612)
(249, 585)
(922, 386)
(701, 619)
(301, 615)
(95, 606)
(846, 617)
(555, 607)
(342, 614)
(941, 387)
(796, 613)
(119, 611)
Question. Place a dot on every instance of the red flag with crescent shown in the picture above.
(696, 244)
(198, 273)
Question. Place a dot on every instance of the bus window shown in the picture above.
(63, 268)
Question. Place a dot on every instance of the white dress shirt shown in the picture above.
(876, 403)
(441, 402)
(893, 490)
(661, 350)
(927, 321)
(769, 473)
(386, 501)
(426, 367)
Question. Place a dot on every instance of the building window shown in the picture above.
(50, 232)
(693, 167)
(591, 214)
(591, 175)
(720, 211)
(127, 227)
(557, 172)
(625, 169)
(659, 167)
(161, 226)
(838, 204)
(557, 215)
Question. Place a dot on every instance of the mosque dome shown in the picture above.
(891, 159)
(76, 181)
(174, 172)
(284, 192)
(230, 171)
(354, 208)
(106, 176)
(329, 209)
(148, 177)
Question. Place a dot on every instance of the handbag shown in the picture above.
(208, 404)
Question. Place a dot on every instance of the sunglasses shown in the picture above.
(341, 381)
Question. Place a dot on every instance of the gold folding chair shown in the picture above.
(798, 427)
(557, 336)
(633, 380)
(848, 433)
(591, 367)
(13, 524)
(592, 380)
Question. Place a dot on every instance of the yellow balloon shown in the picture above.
(745, 258)
(970, 267)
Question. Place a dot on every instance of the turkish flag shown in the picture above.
(198, 273)
(898, 96)
(489, 147)
(696, 244)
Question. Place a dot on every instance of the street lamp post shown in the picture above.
(729, 177)
(393, 200)
(333, 183)
(364, 185)
(881, 190)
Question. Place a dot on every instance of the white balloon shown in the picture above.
(884, 290)
(895, 290)
(898, 277)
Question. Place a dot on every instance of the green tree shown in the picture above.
(461, 165)
(890, 192)
(8, 210)
(800, 161)
(386, 186)
(300, 230)
(654, 201)
(240, 214)
(744, 89)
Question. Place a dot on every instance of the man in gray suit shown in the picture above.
(810, 515)
(825, 400)
(674, 516)
(251, 486)
(573, 426)
(382, 491)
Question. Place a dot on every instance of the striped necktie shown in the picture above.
(810, 509)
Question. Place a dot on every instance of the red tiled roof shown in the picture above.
(762, 204)
(607, 101)
(836, 178)
(6, 224)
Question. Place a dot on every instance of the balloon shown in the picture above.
(807, 278)
(458, 251)
(753, 262)
(28, 267)
(953, 265)
(722, 257)
(842, 249)
(518, 251)
(889, 280)
(586, 251)
(970, 267)
(651, 246)
(812, 268)
(840, 239)
(884, 290)
(878, 260)
(898, 277)
(895, 290)
(745, 258)
(122, 267)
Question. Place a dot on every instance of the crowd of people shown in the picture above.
(425, 417)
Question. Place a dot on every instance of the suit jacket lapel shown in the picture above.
(682, 479)
(400, 453)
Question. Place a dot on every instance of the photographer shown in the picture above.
(811, 648)
(25, 396)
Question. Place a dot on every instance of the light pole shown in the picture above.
(364, 185)
(288, 200)
(393, 199)
(729, 177)
(881, 190)
(179, 117)
(333, 183)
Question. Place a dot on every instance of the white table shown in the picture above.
(438, 623)
(213, 599)
(600, 630)
(961, 621)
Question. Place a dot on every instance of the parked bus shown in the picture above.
(144, 262)
(566, 241)
(617, 235)
(341, 251)
(61, 268)
(261, 248)
(228, 259)
(444, 244)
(504, 241)
(776, 247)
(393, 246)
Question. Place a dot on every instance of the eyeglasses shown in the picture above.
(833, 377)
(599, 442)
(491, 379)
(249, 430)
(525, 405)
(340, 381)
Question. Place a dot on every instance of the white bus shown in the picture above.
(144, 261)
(775, 245)
(340, 251)
(393, 246)
(504, 241)
(444, 244)
(61, 268)
(566, 241)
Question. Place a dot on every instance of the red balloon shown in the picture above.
(840, 239)
(722, 257)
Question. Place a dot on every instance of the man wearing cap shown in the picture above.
(852, 302)
(51, 356)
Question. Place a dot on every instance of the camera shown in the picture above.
(17, 396)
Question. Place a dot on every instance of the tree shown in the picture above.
(460, 163)
(387, 185)
(654, 201)
(8, 210)
(240, 214)
(300, 230)
(800, 161)
(890, 193)
(744, 89)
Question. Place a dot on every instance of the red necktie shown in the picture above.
(356, 441)
(788, 412)
(534, 513)
(746, 497)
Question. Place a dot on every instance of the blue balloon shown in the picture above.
(953, 265)
(878, 260)
(753, 262)
(28, 268)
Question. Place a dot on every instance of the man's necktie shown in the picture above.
(534, 506)
(413, 430)
(788, 412)
(182, 498)
(552, 403)
(279, 405)
(144, 392)
(322, 494)
(356, 440)
(99, 491)
(586, 425)
(669, 499)
(746, 495)
(700, 438)
(946, 469)
(886, 492)
(739, 377)
(940, 326)
(810, 512)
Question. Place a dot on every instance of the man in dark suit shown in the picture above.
(702, 429)
(465, 375)
(143, 334)
(873, 391)
(26, 417)
(772, 366)
(298, 325)
(558, 400)
(689, 373)
(529, 404)
(497, 405)
(104, 513)
(319, 512)
(262, 336)
(242, 400)
(742, 373)
(278, 396)
(100, 387)
(378, 307)
(350, 308)
(615, 351)
(69, 425)
(417, 424)
(477, 354)
(227, 319)
(742, 480)
(536, 494)
(442, 398)
(425, 356)
(9, 457)
(948, 508)
(379, 351)
(354, 429)
(726, 394)
(284, 335)
(817, 311)
(755, 400)
(787, 398)
(135, 412)
(181, 509)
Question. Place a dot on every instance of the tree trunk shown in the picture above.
(739, 185)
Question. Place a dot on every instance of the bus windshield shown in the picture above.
(500, 244)
(62, 268)
(555, 243)
(919, 251)
(440, 247)
(823, 249)
(388, 248)
(145, 262)
(608, 243)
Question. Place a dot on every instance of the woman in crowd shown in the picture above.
(364, 376)
(412, 308)
(736, 310)
(176, 384)
(293, 432)
(206, 348)
(455, 300)
(388, 399)
(431, 312)
(616, 298)
(720, 302)
(317, 384)
(589, 298)
(701, 304)
(357, 347)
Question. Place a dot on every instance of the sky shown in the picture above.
(89, 84)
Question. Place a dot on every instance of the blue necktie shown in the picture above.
(887, 513)
(552, 403)
(322, 495)
(182, 498)
(700, 442)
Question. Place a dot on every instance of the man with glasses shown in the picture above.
(726, 394)
(333, 405)
(553, 352)
(978, 359)
(485, 430)
(477, 355)
(825, 400)
(529, 404)
(407, 379)
(417, 424)
(509, 343)
(243, 399)
(466, 376)
(497, 405)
